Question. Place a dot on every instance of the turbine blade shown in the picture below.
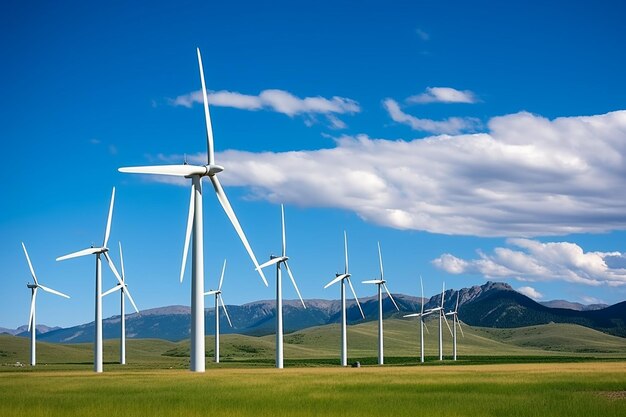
(372, 281)
(282, 216)
(294, 284)
(225, 311)
(222, 276)
(356, 298)
(443, 293)
(108, 228)
(380, 258)
(130, 298)
(122, 261)
(207, 115)
(174, 170)
(221, 196)
(456, 309)
(447, 324)
(32, 309)
(335, 280)
(188, 231)
(425, 327)
(211, 292)
(113, 268)
(412, 315)
(112, 290)
(270, 262)
(51, 291)
(84, 252)
(30, 265)
(390, 296)
(458, 322)
(345, 246)
(422, 287)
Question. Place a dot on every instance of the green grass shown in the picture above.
(580, 389)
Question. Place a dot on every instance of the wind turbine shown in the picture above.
(343, 278)
(103, 250)
(279, 261)
(455, 322)
(381, 283)
(32, 328)
(196, 173)
(123, 288)
(442, 317)
(421, 315)
(218, 300)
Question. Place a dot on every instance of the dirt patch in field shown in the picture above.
(613, 395)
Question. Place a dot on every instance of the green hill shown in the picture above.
(322, 343)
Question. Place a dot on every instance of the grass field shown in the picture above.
(572, 389)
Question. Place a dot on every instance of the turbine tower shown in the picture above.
(442, 318)
(32, 328)
(455, 322)
(218, 300)
(123, 288)
(343, 278)
(421, 315)
(279, 261)
(103, 250)
(194, 218)
(381, 283)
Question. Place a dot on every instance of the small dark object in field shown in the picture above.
(356, 364)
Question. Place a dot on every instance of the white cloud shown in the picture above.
(530, 292)
(528, 176)
(591, 300)
(425, 36)
(538, 261)
(452, 125)
(443, 95)
(279, 101)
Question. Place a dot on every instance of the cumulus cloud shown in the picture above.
(532, 260)
(279, 101)
(452, 125)
(530, 292)
(443, 95)
(527, 176)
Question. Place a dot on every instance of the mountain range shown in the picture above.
(490, 305)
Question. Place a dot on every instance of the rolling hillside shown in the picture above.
(488, 305)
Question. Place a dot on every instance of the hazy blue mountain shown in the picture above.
(493, 304)
(572, 305)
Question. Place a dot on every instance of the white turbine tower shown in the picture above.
(196, 173)
(103, 250)
(421, 315)
(455, 322)
(381, 283)
(442, 318)
(279, 261)
(219, 300)
(123, 288)
(32, 328)
(343, 278)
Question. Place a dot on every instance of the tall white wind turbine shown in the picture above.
(421, 315)
(103, 250)
(32, 328)
(455, 323)
(442, 318)
(279, 261)
(343, 278)
(123, 288)
(196, 173)
(381, 283)
(219, 300)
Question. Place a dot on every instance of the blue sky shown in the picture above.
(476, 142)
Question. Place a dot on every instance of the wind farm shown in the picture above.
(478, 150)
